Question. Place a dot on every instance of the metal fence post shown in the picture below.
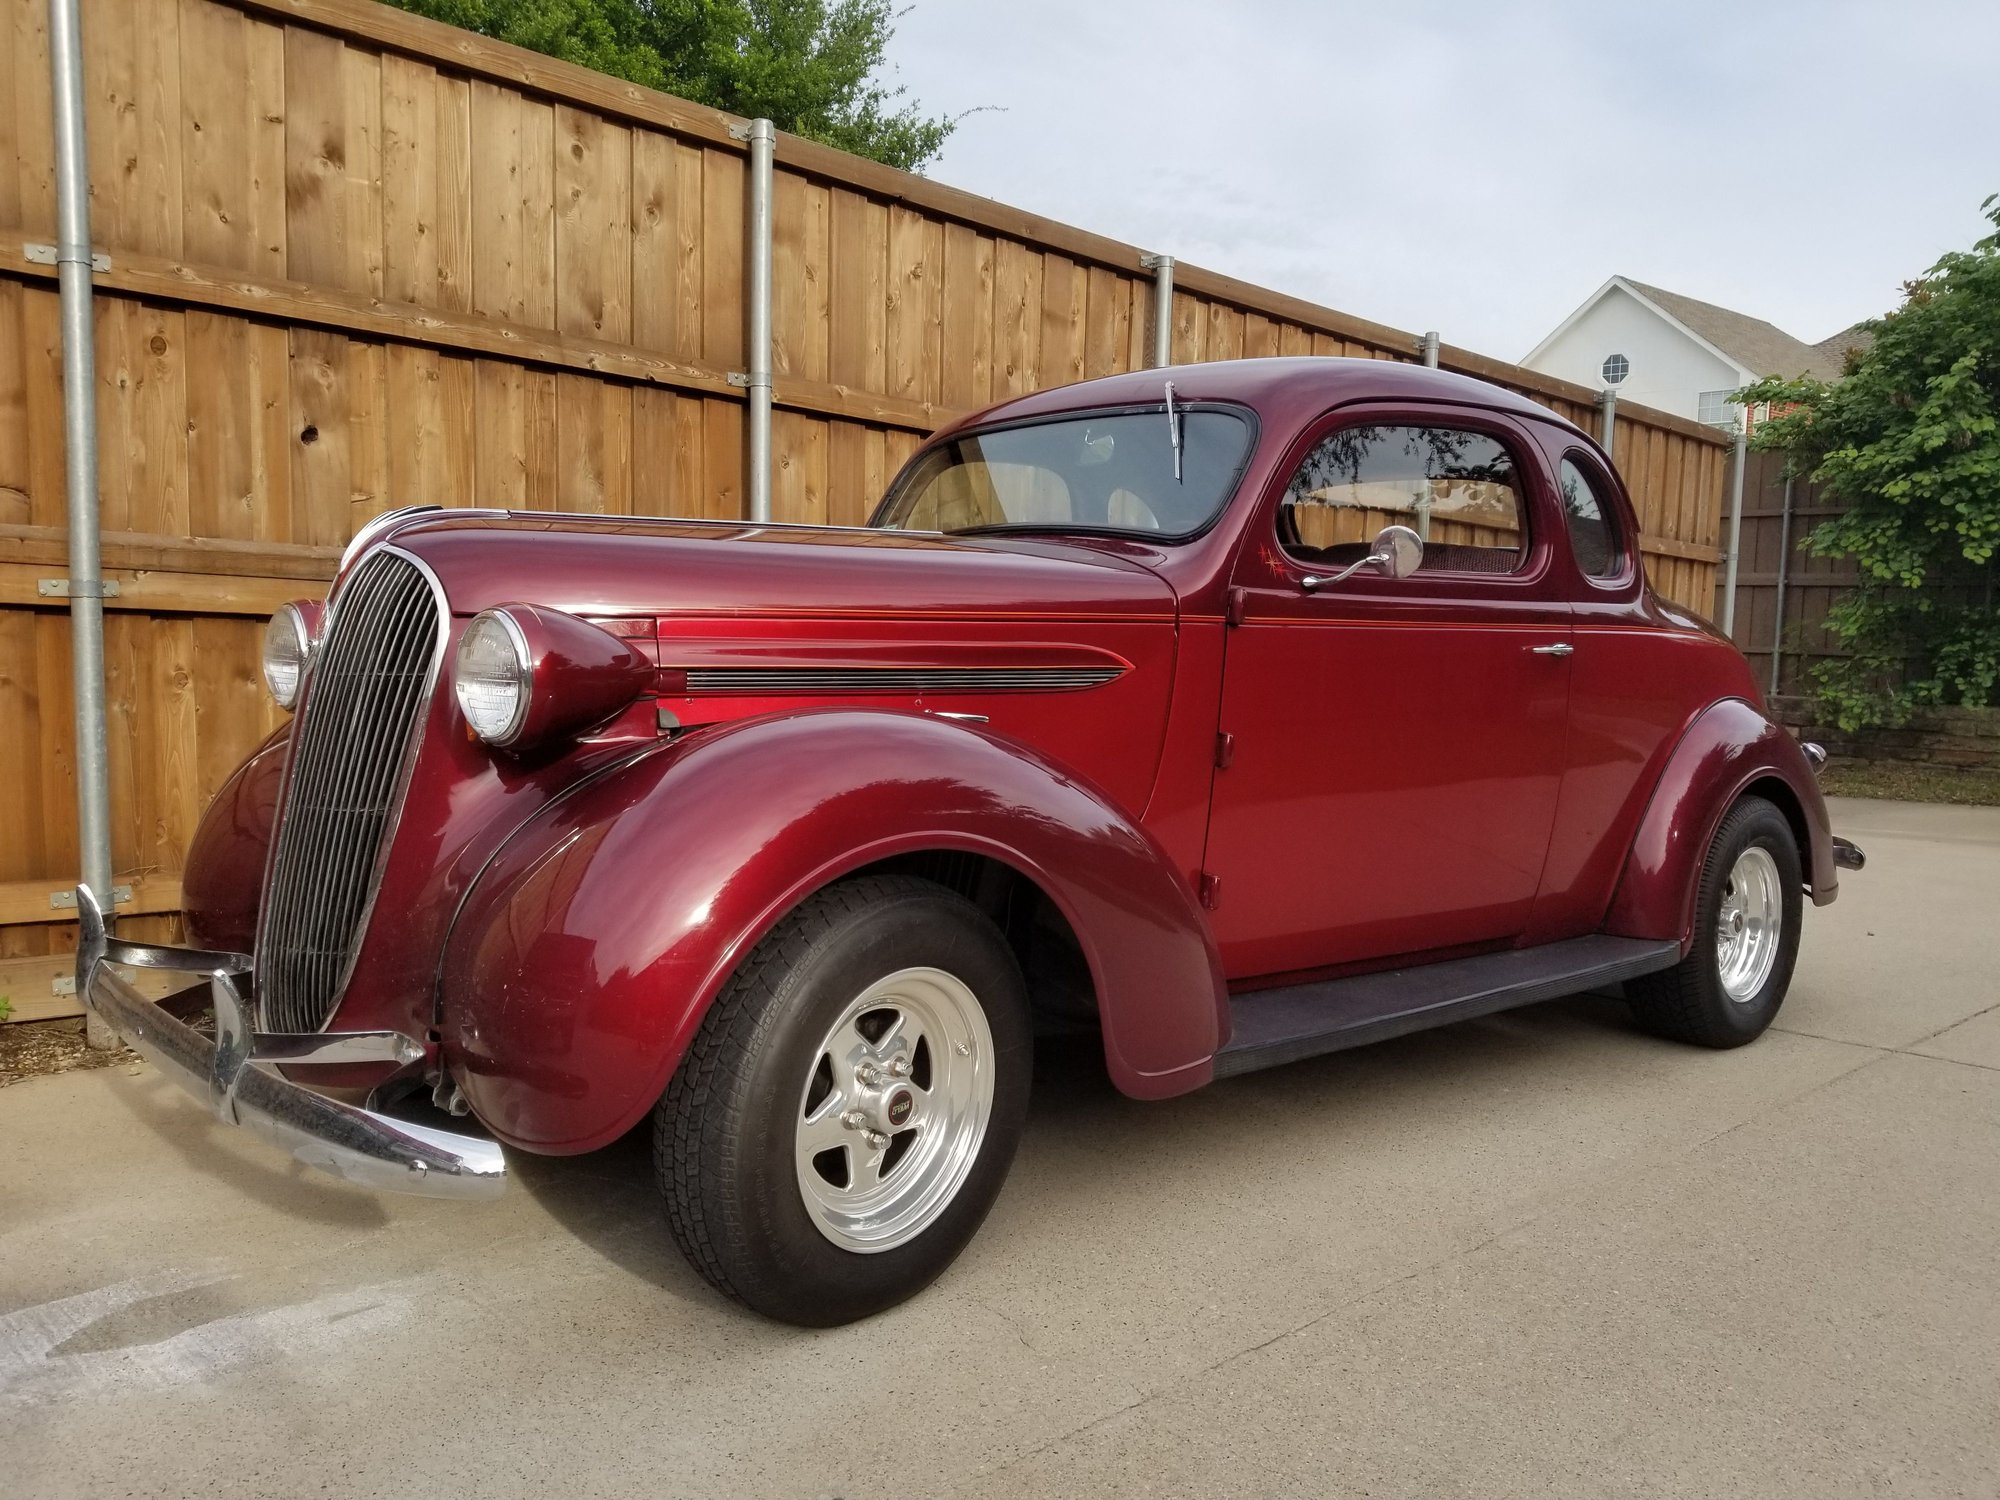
(1784, 567)
(763, 138)
(1431, 350)
(1607, 428)
(79, 366)
(1162, 267)
(1735, 536)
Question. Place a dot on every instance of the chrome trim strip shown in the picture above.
(358, 1145)
(770, 681)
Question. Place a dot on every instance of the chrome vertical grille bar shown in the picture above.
(355, 734)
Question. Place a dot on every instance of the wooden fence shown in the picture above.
(358, 259)
(1812, 583)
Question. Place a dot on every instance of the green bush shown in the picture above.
(1909, 443)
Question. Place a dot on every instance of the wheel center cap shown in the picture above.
(900, 1106)
(1736, 923)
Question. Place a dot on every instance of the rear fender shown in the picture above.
(1730, 748)
(591, 947)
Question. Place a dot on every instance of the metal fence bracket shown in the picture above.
(77, 588)
(48, 255)
(121, 895)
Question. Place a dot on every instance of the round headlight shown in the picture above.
(288, 648)
(494, 677)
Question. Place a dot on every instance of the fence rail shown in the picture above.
(357, 259)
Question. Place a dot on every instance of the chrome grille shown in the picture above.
(354, 732)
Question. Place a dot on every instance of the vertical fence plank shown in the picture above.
(233, 139)
(29, 198)
(14, 461)
(593, 185)
(914, 302)
(454, 196)
(131, 61)
(967, 354)
(239, 458)
(1065, 293)
(858, 339)
(666, 245)
(410, 156)
(722, 259)
(1017, 319)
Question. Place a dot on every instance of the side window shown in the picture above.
(1457, 489)
(1588, 515)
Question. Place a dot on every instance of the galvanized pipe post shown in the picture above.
(1431, 350)
(79, 367)
(763, 138)
(1162, 267)
(1784, 568)
(1735, 534)
(1607, 427)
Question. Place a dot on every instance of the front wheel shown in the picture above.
(847, 1113)
(1728, 988)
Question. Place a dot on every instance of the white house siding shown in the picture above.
(1669, 369)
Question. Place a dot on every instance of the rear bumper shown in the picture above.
(233, 1073)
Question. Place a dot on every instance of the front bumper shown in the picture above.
(234, 1074)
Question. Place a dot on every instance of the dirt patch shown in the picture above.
(1902, 781)
(28, 1049)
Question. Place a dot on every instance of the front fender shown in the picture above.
(590, 948)
(222, 877)
(1729, 749)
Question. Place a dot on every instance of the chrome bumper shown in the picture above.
(233, 1073)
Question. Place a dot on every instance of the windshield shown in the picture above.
(1113, 472)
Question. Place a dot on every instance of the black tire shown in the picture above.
(724, 1133)
(1688, 1003)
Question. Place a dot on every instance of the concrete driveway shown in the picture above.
(1536, 1254)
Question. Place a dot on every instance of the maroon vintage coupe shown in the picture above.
(1242, 712)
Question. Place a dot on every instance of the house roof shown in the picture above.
(1760, 347)
(1855, 339)
(1751, 344)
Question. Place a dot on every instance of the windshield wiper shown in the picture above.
(1174, 431)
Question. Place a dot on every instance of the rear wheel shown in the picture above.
(847, 1113)
(1746, 937)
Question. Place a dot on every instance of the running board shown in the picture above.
(1270, 1027)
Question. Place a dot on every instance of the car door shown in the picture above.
(1390, 749)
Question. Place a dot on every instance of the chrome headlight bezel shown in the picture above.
(290, 639)
(493, 659)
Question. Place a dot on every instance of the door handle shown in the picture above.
(1560, 648)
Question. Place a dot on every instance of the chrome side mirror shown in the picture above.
(1396, 553)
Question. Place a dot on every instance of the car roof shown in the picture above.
(1294, 389)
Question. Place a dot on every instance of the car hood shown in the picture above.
(614, 566)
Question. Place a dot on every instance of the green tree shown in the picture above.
(1909, 442)
(811, 66)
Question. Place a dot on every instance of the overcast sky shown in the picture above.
(1481, 168)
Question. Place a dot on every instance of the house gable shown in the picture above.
(1669, 364)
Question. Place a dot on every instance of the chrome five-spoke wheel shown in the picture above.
(1744, 935)
(894, 1109)
(1748, 924)
(846, 1114)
